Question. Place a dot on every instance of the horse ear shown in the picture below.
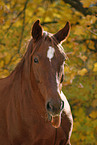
(62, 34)
(37, 30)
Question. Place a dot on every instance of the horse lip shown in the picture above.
(55, 120)
(53, 115)
(49, 117)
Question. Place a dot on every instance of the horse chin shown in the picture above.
(55, 120)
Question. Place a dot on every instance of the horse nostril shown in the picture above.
(62, 105)
(54, 108)
(49, 106)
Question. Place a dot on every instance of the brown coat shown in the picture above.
(24, 96)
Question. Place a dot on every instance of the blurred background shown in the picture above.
(80, 83)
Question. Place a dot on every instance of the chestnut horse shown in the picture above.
(33, 109)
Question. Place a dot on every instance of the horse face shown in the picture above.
(48, 67)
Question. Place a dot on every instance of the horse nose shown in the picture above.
(54, 107)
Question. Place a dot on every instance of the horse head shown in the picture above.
(48, 60)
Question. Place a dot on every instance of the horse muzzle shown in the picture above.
(54, 113)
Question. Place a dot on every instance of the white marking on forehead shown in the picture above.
(50, 53)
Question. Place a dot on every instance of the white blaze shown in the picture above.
(67, 110)
(66, 104)
(50, 53)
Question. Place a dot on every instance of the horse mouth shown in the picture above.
(55, 120)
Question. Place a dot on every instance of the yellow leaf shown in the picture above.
(84, 58)
(18, 23)
(87, 3)
(4, 74)
(90, 64)
(1, 63)
(94, 103)
(1, 20)
(66, 69)
(47, 19)
(42, 10)
(29, 13)
(95, 67)
(93, 114)
(82, 72)
(79, 30)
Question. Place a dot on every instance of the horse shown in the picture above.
(33, 108)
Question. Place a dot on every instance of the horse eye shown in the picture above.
(36, 60)
(62, 78)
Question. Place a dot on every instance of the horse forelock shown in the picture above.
(54, 41)
(46, 37)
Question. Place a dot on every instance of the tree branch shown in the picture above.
(92, 39)
(52, 22)
(22, 32)
(2, 44)
(19, 14)
(79, 7)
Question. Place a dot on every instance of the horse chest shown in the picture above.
(48, 137)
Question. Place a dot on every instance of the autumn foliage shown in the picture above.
(80, 83)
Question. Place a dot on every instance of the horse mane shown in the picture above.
(24, 59)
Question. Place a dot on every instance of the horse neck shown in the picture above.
(24, 101)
